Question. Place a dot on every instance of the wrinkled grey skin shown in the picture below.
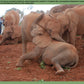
(52, 52)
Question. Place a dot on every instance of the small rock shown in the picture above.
(34, 79)
(7, 67)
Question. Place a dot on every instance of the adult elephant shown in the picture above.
(58, 54)
(71, 20)
(11, 18)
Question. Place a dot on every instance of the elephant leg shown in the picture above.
(59, 68)
(61, 59)
(35, 53)
(24, 43)
(68, 37)
(24, 46)
(73, 36)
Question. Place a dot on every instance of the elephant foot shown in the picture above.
(60, 72)
(19, 65)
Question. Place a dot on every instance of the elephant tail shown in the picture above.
(75, 62)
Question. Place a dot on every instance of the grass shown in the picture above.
(67, 68)
(42, 65)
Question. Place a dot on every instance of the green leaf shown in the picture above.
(9, 62)
(67, 68)
(19, 68)
(42, 65)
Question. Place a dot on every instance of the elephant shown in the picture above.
(58, 54)
(12, 31)
(12, 35)
(60, 8)
(26, 27)
(71, 20)
(11, 18)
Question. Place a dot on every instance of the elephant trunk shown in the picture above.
(57, 37)
(2, 41)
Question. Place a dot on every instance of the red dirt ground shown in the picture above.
(31, 71)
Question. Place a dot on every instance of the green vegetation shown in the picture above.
(67, 68)
(9, 62)
(42, 65)
(19, 68)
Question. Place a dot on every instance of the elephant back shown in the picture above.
(60, 8)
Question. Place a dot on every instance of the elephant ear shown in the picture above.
(16, 32)
(42, 41)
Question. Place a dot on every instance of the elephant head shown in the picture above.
(51, 25)
(8, 20)
(11, 18)
(10, 33)
(54, 29)
(40, 37)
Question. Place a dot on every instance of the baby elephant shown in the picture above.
(58, 54)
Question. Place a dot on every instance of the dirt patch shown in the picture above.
(31, 71)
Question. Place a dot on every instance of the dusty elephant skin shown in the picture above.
(12, 31)
(51, 25)
(11, 18)
(12, 35)
(60, 8)
(52, 52)
(26, 28)
(72, 19)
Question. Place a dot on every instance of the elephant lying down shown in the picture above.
(12, 35)
(52, 52)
